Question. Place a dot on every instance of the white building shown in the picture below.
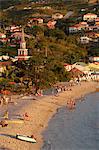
(73, 29)
(85, 39)
(68, 67)
(95, 59)
(2, 35)
(14, 28)
(89, 16)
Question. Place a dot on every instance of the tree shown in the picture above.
(58, 34)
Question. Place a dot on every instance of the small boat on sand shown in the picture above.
(26, 138)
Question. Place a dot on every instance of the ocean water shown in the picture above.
(74, 130)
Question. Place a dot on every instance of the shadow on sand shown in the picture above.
(4, 148)
(8, 135)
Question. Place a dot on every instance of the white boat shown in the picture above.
(26, 138)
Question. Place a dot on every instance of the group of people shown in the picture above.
(62, 88)
(4, 100)
(71, 104)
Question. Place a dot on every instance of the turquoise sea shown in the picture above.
(74, 130)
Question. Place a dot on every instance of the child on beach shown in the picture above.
(26, 117)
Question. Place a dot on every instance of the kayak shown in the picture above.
(26, 138)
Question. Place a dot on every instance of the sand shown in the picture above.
(40, 112)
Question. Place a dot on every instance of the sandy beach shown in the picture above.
(40, 112)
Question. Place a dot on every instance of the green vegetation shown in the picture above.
(49, 48)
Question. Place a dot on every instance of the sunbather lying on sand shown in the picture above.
(4, 123)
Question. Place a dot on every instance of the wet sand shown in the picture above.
(40, 112)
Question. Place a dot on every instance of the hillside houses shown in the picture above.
(89, 37)
(78, 27)
(87, 29)
(82, 71)
(35, 21)
(90, 23)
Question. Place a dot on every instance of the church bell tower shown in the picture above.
(23, 51)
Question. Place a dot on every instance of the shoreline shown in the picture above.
(40, 112)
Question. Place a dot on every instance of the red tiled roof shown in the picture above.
(67, 64)
(75, 70)
(90, 14)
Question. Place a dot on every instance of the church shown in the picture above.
(22, 51)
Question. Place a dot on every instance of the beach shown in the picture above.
(40, 112)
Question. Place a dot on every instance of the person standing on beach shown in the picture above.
(6, 115)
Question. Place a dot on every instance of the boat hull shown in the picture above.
(26, 138)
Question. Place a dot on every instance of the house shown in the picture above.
(78, 27)
(76, 72)
(82, 67)
(51, 24)
(4, 57)
(68, 67)
(73, 29)
(97, 21)
(46, 7)
(85, 39)
(57, 16)
(14, 28)
(94, 36)
(2, 35)
(89, 36)
(36, 21)
(93, 28)
(97, 35)
(83, 23)
(94, 59)
(3, 65)
(27, 8)
(7, 28)
(89, 16)
(82, 9)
